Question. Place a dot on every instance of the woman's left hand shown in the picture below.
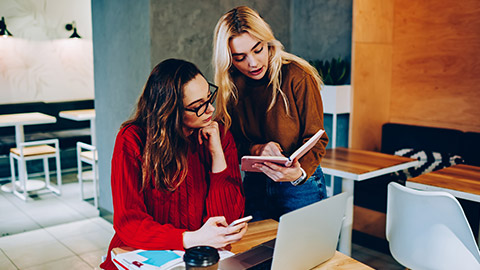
(280, 173)
(210, 135)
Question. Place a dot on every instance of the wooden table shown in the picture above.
(18, 120)
(462, 181)
(265, 230)
(358, 165)
(82, 115)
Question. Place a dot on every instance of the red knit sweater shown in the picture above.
(155, 219)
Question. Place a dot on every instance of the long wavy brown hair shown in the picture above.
(160, 112)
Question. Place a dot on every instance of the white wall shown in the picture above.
(40, 62)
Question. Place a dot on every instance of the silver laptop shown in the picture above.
(306, 238)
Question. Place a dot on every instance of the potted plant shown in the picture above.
(336, 95)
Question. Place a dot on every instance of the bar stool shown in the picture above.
(87, 153)
(35, 150)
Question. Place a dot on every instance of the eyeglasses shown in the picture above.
(200, 110)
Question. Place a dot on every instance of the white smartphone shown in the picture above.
(240, 220)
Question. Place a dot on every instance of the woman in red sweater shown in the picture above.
(175, 176)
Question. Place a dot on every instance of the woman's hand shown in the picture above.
(215, 233)
(280, 173)
(276, 172)
(210, 135)
(268, 149)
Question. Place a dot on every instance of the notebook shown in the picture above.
(248, 161)
(305, 238)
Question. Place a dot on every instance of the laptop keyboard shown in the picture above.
(266, 265)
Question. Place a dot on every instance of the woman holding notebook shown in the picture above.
(271, 102)
(175, 177)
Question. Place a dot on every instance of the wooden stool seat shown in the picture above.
(34, 150)
(89, 155)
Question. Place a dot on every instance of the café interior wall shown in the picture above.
(40, 62)
(322, 30)
(191, 36)
(122, 43)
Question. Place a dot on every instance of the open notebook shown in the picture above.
(248, 161)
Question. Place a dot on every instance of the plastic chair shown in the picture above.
(34, 150)
(429, 230)
(87, 153)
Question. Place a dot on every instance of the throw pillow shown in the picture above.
(429, 161)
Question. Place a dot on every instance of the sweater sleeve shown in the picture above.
(310, 111)
(132, 223)
(225, 196)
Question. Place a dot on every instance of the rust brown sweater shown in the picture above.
(252, 124)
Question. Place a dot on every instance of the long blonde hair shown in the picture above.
(235, 22)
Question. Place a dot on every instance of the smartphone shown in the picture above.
(240, 220)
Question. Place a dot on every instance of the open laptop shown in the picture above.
(306, 238)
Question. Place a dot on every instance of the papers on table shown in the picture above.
(155, 259)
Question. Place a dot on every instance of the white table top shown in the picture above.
(78, 115)
(23, 119)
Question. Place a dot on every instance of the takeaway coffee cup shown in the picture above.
(201, 258)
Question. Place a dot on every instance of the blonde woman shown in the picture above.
(271, 102)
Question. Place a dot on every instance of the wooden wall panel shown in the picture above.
(371, 94)
(369, 221)
(373, 20)
(434, 74)
(436, 64)
(371, 71)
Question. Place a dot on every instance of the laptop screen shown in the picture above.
(306, 238)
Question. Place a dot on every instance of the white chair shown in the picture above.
(34, 150)
(429, 230)
(88, 153)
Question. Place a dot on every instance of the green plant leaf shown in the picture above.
(333, 72)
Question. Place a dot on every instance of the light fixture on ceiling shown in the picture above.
(73, 26)
(3, 28)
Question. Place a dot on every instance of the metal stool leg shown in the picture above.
(59, 169)
(95, 182)
(46, 171)
(80, 171)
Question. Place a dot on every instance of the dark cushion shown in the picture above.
(398, 136)
(53, 109)
(67, 131)
(470, 148)
(67, 138)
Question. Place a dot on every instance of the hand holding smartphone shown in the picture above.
(240, 220)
